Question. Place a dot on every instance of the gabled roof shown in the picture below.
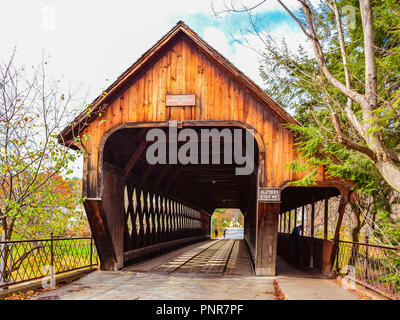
(179, 30)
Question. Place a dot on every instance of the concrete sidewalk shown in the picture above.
(300, 285)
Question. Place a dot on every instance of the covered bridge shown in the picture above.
(137, 208)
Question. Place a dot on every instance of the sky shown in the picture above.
(90, 43)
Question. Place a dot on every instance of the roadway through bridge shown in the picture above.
(210, 257)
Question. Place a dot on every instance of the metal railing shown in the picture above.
(24, 260)
(375, 267)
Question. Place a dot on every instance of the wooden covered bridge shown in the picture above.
(137, 208)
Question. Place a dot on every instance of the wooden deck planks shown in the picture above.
(239, 261)
(210, 257)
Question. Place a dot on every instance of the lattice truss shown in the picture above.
(151, 218)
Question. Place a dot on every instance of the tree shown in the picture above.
(35, 199)
(222, 219)
(370, 108)
(63, 215)
(32, 110)
(311, 84)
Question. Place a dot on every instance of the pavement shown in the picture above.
(126, 285)
(300, 285)
(234, 233)
(151, 280)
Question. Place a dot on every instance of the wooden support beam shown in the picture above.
(302, 220)
(101, 233)
(134, 158)
(312, 218)
(326, 203)
(284, 222)
(112, 168)
(333, 245)
(342, 206)
(267, 236)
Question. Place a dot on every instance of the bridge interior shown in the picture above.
(169, 205)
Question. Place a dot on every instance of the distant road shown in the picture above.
(234, 233)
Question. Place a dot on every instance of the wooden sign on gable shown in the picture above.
(180, 100)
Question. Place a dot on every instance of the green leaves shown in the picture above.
(294, 79)
(34, 196)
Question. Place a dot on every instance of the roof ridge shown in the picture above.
(208, 49)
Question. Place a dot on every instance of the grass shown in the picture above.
(34, 260)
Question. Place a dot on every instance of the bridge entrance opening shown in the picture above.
(227, 223)
(162, 185)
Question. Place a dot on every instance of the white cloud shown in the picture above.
(217, 40)
(245, 59)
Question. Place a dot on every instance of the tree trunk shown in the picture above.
(375, 149)
(355, 233)
(4, 261)
(390, 172)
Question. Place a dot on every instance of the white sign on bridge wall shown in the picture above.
(269, 195)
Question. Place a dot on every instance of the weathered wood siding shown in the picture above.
(184, 69)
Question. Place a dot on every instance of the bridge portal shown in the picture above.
(153, 177)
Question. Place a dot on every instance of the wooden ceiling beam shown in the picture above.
(134, 158)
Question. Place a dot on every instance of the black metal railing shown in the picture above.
(375, 267)
(24, 260)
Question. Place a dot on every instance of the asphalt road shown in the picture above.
(234, 233)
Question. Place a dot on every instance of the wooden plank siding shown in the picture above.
(185, 69)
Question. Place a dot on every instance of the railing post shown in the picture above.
(3, 263)
(336, 247)
(326, 208)
(284, 222)
(51, 250)
(366, 240)
(312, 218)
(91, 250)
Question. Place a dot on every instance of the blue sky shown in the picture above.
(234, 24)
